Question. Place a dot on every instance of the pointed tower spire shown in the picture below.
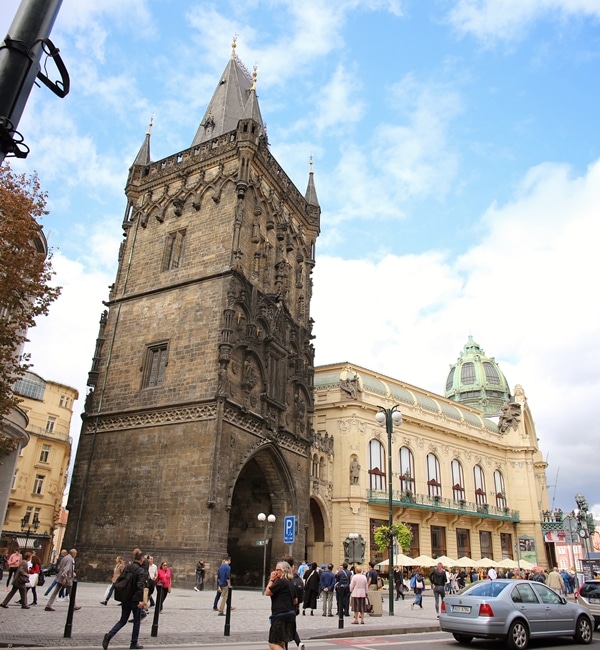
(311, 192)
(252, 110)
(143, 157)
(228, 104)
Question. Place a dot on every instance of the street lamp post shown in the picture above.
(268, 522)
(389, 418)
(35, 524)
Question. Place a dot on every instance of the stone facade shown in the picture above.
(199, 414)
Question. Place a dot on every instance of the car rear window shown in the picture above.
(591, 589)
(486, 589)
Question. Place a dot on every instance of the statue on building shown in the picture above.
(510, 417)
(354, 472)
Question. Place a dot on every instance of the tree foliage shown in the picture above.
(25, 274)
(384, 534)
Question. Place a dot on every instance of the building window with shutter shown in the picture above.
(155, 365)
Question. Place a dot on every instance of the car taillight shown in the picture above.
(485, 610)
(443, 607)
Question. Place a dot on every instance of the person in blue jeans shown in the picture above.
(133, 602)
(417, 582)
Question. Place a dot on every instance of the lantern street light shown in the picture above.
(389, 418)
(268, 522)
(35, 524)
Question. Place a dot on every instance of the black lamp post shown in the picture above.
(389, 418)
(35, 524)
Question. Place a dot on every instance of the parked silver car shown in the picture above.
(513, 610)
(589, 596)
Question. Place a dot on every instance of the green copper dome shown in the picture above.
(477, 381)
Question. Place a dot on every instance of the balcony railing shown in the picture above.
(440, 504)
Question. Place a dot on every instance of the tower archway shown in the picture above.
(263, 485)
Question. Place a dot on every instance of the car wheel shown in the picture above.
(463, 638)
(583, 630)
(518, 635)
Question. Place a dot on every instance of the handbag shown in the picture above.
(420, 585)
(41, 579)
(368, 607)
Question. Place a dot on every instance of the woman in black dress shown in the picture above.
(311, 589)
(283, 606)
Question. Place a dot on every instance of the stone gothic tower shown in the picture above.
(199, 412)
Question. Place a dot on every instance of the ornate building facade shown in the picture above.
(199, 413)
(466, 485)
(40, 478)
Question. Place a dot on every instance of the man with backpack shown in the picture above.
(129, 590)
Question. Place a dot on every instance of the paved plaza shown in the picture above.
(188, 618)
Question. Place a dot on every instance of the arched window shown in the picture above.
(407, 470)
(500, 489)
(376, 465)
(479, 477)
(458, 481)
(434, 476)
(467, 373)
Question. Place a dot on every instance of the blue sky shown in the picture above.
(456, 153)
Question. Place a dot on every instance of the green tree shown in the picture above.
(25, 274)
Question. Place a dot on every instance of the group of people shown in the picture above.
(25, 574)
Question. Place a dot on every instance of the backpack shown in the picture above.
(413, 581)
(379, 582)
(125, 585)
(299, 585)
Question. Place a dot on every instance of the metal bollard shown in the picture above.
(157, 606)
(69, 623)
(340, 613)
(227, 627)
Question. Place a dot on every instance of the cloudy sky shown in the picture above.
(456, 153)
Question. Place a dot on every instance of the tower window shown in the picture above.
(467, 373)
(173, 255)
(450, 380)
(155, 364)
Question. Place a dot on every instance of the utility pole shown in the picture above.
(20, 54)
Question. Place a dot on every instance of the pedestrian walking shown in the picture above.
(438, 579)
(280, 589)
(224, 582)
(163, 583)
(19, 583)
(417, 584)
(64, 578)
(132, 600)
(14, 560)
(117, 571)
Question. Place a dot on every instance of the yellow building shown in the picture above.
(36, 494)
(468, 484)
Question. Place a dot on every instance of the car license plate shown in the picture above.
(461, 609)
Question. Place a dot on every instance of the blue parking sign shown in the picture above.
(289, 528)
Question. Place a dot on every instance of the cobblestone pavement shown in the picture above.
(188, 618)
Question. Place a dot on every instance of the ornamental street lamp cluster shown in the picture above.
(268, 522)
(389, 418)
(35, 524)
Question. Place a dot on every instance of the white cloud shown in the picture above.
(506, 20)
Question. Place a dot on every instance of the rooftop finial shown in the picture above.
(234, 45)
(254, 75)
(311, 164)
(150, 123)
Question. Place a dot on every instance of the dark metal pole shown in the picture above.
(69, 622)
(227, 628)
(157, 608)
(390, 429)
(20, 53)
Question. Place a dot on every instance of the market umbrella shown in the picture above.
(464, 562)
(485, 562)
(445, 560)
(424, 560)
(399, 560)
(524, 564)
(507, 563)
